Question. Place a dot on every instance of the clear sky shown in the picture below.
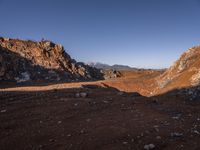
(139, 33)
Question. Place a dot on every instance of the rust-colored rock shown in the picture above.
(185, 72)
(22, 61)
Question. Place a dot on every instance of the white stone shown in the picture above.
(59, 122)
(25, 77)
(175, 134)
(83, 94)
(77, 95)
(196, 132)
(3, 111)
(149, 146)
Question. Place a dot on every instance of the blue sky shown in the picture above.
(139, 33)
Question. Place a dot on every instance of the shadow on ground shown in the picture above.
(104, 118)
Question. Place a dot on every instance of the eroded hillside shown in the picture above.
(22, 61)
(185, 72)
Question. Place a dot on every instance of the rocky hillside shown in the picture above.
(185, 72)
(22, 61)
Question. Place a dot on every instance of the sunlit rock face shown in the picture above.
(185, 72)
(23, 61)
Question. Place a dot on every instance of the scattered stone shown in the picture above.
(76, 104)
(149, 146)
(120, 93)
(88, 120)
(156, 127)
(82, 131)
(3, 111)
(59, 122)
(166, 123)
(77, 95)
(175, 134)
(83, 94)
(196, 132)
(125, 143)
(106, 102)
(25, 76)
(158, 137)
(177, 117)
(51, 140)
(69, 135)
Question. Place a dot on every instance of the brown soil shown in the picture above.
(51, 117)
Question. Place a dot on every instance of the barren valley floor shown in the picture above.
(97, 116)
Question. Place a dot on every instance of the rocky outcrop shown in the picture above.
(22, 61)
(195, 79)
(110, 74)
(185, 72)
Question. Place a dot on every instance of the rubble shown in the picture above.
(193, 93)
(25, 76)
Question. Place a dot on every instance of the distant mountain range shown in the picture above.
(106, 66)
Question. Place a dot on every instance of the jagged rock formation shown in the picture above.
(22, 61)
(185, 72)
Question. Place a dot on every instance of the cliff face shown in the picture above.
(185, 72)
(22, 61)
